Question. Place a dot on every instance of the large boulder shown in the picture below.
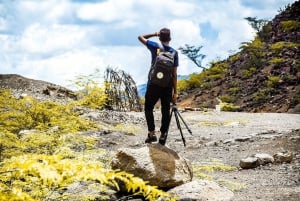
(157, 164)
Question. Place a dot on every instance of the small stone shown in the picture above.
(249, 162)
(264, 159)
(212, 143)
(228, 141)
(242, 139)
(283, 157)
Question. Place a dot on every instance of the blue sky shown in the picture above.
(57, 40)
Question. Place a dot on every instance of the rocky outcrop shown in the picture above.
(163, 167)
(155, 163)
(41, 90)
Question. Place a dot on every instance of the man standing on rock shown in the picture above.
(166, 94)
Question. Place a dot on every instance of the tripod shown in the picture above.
(177, 116)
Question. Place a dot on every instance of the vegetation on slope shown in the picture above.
(42, 154)
(262, 76)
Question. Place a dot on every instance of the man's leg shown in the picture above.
(165, 109)
(151, 98)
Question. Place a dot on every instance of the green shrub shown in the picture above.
(52, 155)
(276, 61)
(28, 113)
(217, 70)
(234, 58)
(182, 85)
(261, 95)
(91, 94)
(206, 79)
(195, 80)
(255, 51)
(249, 72)
(40, 177)
(289, 25)
(277, 47)
(288, 78)
(235, 83)
(226, 99)
(266, 32)
(273, 81)
(207, 85)
(234, 90)
(254, 45)
(10, 145)
(226, 103)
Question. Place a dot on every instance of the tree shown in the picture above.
(256, 24)
(193, 53)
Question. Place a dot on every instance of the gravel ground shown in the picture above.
(228, 137)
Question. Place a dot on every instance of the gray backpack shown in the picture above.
(162, 69)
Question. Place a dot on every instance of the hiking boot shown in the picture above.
(163, 139)
(151, 138)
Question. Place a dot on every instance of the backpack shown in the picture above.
(162, 70)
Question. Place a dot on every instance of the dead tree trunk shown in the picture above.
(122, 91)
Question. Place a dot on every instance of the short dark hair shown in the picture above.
(165, 35)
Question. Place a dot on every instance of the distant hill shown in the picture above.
(263, 76)
(38, 89)
(142, 90)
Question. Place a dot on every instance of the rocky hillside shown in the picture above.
(263, 76)
(38, 89)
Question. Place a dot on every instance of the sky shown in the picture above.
(59, 40)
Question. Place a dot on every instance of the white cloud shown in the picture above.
(167, 8)
(55, 40)
(47, 10)
(185, 32)
(64, 67)
(38, 38)
(107, 11)
(3, 24)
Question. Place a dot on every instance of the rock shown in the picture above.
(242, 139)
(256, 160)
(82, 191)
(264, 159)
(283, 157)
(200, 190)
(93, 116)
(249, 162)
(229, 141)
(212, 143)
(155, 163)
(26, 132)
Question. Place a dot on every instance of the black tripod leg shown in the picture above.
(169, 124)
(184, 122)
(179, 127)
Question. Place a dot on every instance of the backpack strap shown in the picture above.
(162, 48)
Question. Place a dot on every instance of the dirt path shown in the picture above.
(228, 137)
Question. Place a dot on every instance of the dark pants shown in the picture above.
(153, 94)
